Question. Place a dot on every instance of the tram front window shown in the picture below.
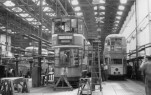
(116, 61)
(65, 25)
(68, 57)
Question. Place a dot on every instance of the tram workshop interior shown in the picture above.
(74, 47)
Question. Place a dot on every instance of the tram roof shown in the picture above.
(114, 35)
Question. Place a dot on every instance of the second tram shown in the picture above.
(115, 55)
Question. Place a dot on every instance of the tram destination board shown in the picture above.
(65, 39)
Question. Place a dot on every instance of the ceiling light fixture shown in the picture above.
(77, 8)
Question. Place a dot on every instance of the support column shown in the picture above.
(40, 43)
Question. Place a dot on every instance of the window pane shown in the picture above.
(116, 61)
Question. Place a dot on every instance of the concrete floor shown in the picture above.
(127, 87)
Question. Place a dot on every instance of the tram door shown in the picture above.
(69, 56)
(2, 71)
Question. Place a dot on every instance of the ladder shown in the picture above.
(85, 87)
(95, 66)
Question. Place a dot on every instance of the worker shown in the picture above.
(102, 72)
(106, 71)
(63, 57)
(129, 70)
(146, 68)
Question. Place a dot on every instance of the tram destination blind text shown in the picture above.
(65, 39)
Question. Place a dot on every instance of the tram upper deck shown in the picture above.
(68, 31)
(115, 43)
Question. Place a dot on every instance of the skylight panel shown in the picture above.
(102, 1)
(17, 9)
(95, 13)
(114, 31)
(17, 15)
(24, 15)
(47, 9)
(9, 30)
(51, 14)
(29, 19)
(102, 7)
(24, 19)
(98, 1)
(79, 14)
(46, 29)
(95, 7)
(9, 9)
(99, 19)
(2, 27)
(118, 17)
(102, 13)
(116, 25)
(74, 2)
(119, 13)
(77, 8)
(123, 1)
(43, 26)
(117, 21)
(115, 28)
(35, 23)
(9, 4)
(34, 20)
(121, 7)
(38, 2)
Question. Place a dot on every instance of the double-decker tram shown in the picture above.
(115, 55)
(68, 42)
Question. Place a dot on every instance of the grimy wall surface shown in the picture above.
(141, 16)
